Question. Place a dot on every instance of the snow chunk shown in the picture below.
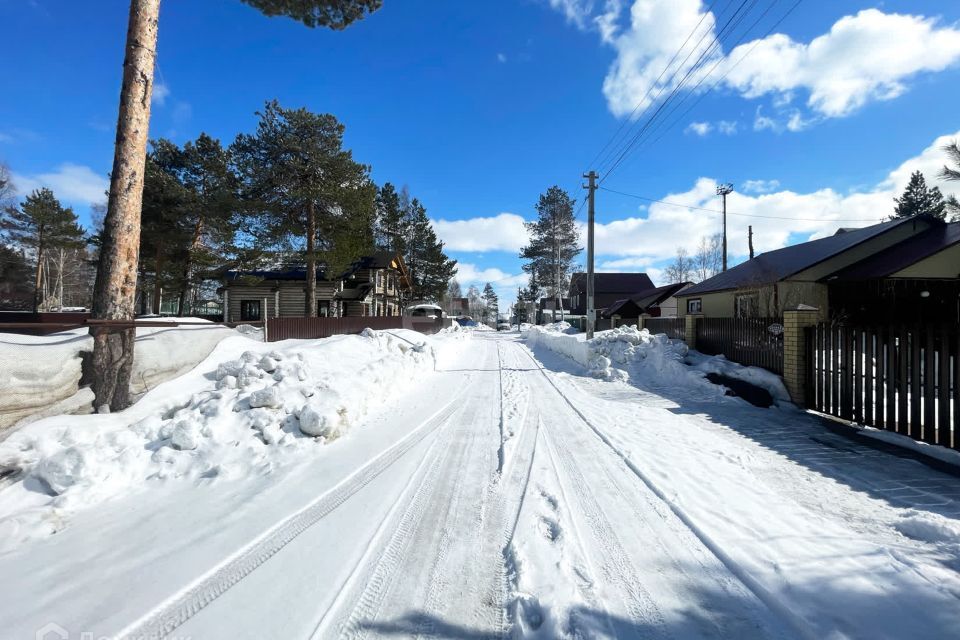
(269, 397)
(185, 436)
(319, 421)
(929, 527)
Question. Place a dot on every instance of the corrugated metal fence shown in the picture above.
(897, 378)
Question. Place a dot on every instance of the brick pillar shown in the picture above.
(795, 350)
(690, 330)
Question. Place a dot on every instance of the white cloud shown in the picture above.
(503, 232)
(502, 57)
(71, 183)
(760, 186)
(160, 94)
(727, 127)
(699, 128)
(762, 122)
(576, 11)
(636, 242)
(866, 57)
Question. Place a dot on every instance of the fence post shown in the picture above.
(690, 329)
(795, 363)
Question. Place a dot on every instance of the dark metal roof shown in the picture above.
(377, 260)
(626, 283)
(774, 266)
(643, 301)
(904, 254)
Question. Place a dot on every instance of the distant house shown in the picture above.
(905, 270)
(549, 311)
(371, 286)
(656, 302)
(608, 288)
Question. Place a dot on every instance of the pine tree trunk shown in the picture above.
(311, 298)
(157, 268)
(116, 285)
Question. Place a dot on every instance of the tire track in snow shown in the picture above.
(770, 600)
(377, 573)
(194, 598)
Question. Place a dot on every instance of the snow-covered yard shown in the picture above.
(470, 484)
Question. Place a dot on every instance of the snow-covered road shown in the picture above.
(509, 496)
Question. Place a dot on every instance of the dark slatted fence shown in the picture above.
(674, 328)
(898, 378)
(756, 342)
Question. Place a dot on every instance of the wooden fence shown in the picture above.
(314, 328)
(897, 378)
(755, 342)
(674, 328)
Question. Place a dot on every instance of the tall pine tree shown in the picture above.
(952, 174)
(430, 268)
(307, 186)
(491, 309)
(918, 199)
(116, 284)
(39, 225)
(554, 243)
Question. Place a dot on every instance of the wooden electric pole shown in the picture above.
(750, 240)
(723, 190)
(591, 188)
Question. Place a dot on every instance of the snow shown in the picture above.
(469, 485)
(41, 371)
(651, 359)
(940, 453)
(245, 408)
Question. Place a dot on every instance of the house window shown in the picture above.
(323, 308)
(694, 305)
(379, 278)
(747, 305)
(250, 310)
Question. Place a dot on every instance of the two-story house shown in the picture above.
(372, 286)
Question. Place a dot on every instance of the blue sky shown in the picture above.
(480, 106)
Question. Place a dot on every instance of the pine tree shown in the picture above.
(554, 242)
(165, 224)
(491, 309)
(116, 284)
(39, 225)
(15, 292)
(952, 174)
(306, 187)
(430, 268)
(392, 224)
(917, 199)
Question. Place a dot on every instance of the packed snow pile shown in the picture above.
(929, 527)
(247, 407)
(756, 376)
(41, 371)
(651, 359)
(614, 353)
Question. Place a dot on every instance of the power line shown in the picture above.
(732, 22)
(633, 117)
(733, 213)
(726, 73)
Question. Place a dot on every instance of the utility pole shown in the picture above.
(591, 188)
(750, 240)
(723, 190)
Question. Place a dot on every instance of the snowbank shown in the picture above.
(756, 376)
(41, 371)
(616, 352)
(653, 359)
(246, 408)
